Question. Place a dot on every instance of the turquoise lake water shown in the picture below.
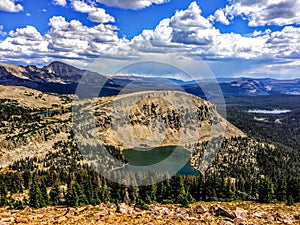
(165, 159)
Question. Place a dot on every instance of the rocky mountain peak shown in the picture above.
(62, 69)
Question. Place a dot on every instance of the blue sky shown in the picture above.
(250, 38)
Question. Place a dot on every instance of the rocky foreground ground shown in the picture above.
(198, 213)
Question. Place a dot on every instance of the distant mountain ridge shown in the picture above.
(61, 78)
(57, 77)
(230, 86)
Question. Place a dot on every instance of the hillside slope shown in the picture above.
(34, 123)
(50, 153)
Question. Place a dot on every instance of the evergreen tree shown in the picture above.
(26, 177)
(54, 195)
(151, 193)
(44, 192)
(71, 196)
(266, 192)
(293, 189)
(229, 191)
(141, 204)
(3, 193)
(198, 192)
(105, 192)
(210, 189)
(161, 191)
(290, 201)
(281, 190)
(248, 186)
(82, 199)
(180, 195)
(18, 205)
(36, 199)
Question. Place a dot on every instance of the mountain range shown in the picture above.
(62, 78)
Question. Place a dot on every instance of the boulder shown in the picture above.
(2, 223)
(241, 216)
(124, 209)
(21, 220)
(199, 209)
(262, 215)
(60, 220)
(8, 219)
(226, 222)
(283, 218)
(220, 211)
(27, 209)
(240, 221)
(165, 211)
(102, 213)
(213, 208)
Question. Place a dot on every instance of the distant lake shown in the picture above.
(264, 111)
(147, 157)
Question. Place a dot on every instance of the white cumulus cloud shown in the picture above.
(60, 2)
(189, 33)
(22, 44)
(10, 6)
(2, 33)
(132, 4)
(219, 16)
(266, 12)
(94, 14)
(73, 39)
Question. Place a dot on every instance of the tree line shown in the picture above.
(62, 179)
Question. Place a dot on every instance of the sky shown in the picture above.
(227, 38)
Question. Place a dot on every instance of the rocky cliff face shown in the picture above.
(152, 119)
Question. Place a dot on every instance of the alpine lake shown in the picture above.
(170, 159)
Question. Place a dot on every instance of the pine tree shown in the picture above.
(18, 205)
(82, 199)
(290, 201)
(26, 177)
(105, 192)
(229, 191)
(54, 195)
(35, 195)
(141, 204)
(281, 194)
(44, 192)
(116, 191)
(161, 191)
(210, 189)
(152, 192)
(199, 188)
(3, 193)
(71, 196)
(293, 189)
(248, 186)
(266, 192)
(180, 195)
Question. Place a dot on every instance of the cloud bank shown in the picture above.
(185, 36)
